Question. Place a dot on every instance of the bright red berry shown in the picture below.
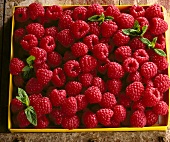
(21, 14)
(160, 43)
(114, 86)
(42, 65)
(51, 31)
(94, 9)
(136, 43)
(65, 22)
(86, 79)
(141, 56)
(97, 81)
(54, 59)
(161, 108)
(79, 49)
(42, 122)
(113, 11)
(16, 105)
(143, 22)
(137, 11)
(56, 116)
(22, 119)
(70, 122)
(130, 65)
(81, 102)
(33, 98)
(138, 105)
(151, 118)
(94, 28)
(19, 34)
(119, 113)
(134, 76)
(79, 13)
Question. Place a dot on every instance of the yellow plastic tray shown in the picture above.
(159, 126)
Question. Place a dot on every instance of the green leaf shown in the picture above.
(26, 68)
(94, 18)
(133, 31)
(160, 52)
(146, 41)
(109, 18)
(31, 115)
(27, 72)
(144, 29)
(23, 97)
(126, 31)
(154, 41)
(30, 60)
(136, 26)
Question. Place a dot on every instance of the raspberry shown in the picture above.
(125, 21)
(69, 106)
(151, 97)
(36, 29)
(79, 29)
(33, 98)
(104, 116)
(153, 11)
(51, 31)
(43, 20)
(16, 105)
(102, 67)
(44, 76)
(108, 28)
(58, 78)
(113, 11)
(68, 12)
(79, 49)
(124, 100)
(115, 70)
(16, 66)
(33, 86)
(65, 22)
(21, 14)
(40, 66)
(151, 118)
(98, 82)
(42, 122)
(147, 82)
(94, 9)
(18, 80)
(130, 65)
(90, 119)
(138, 105)
(120, 39)
(72, 68)
(57, 97)
(136, 43)
(148, 70)
(53, 12)
(160, 43)
(29, 41)
(138, 119)
(54, 59)
(70, 122)
(73, 88)
(65, 38)
(122, 53)
(39, 54)
(93, 95)
(86, 79)
(114, 124)
(137, 11)
(161, 108)
(47, 43)
(108, 100)
(87, 63)
(148, 35)
(94, 28)
(135, 76)
(142, 22)
(162, 82)
(119, 113)
(56, 116)
(135, 90)
(19, 34)
(79, 13)
(159, 26)
(141, 56)
(81, 102)
(114, 86)
(22, 119)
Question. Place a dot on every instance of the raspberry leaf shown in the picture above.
(30, 60)
(23, 97)
(144, 29)
(31, 115)
(136, 26)
(27, 71)
(146, 41)
(160, 52)
(109, 18)
(154, 41)
(126, 31)
(94, 18)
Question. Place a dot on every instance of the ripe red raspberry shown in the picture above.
(79, 13)
(29, 41)
(39, 54)
(147, 82)
(142, 22)
(100, 51)
(16, 66)
(120, 39)
(90, 119)
(141, 56)
(57, 97)
(119, 113)
(93, 95)
(73, 88)
(124, 100)
(68, 12)
(104, 116)
(81, 102)
(94, 28)
(33, 98)
(114, 86)
(108, 100)
(108, 28)
(148, 35)
(19, 34)
(53, 12)
(138, 119)
(42, 122)
(130, 65)
(54, 59)
(114, 124)
(86, 79)
(135, 90)
(65, 22)
(94, 9)
(122, 53)
(69, 106)
(161, 108)
(135, 76)
(18, 80)
(138, 105)
(151, 118)
(162, 82)
(137, 11)
(72, 68)
(79, 29)
(87, 63)
(79, 49)
(33, 86)
(58, 78)
(113, 11)
(47, 43)
(51, 31)
(151, 97)
(16, 105)
(56, 116)
(70, 122)
(148, 70)
(153, 11)
(159, 26)
(98, 82)
(22, 119)
(115, 70)
(36, 10)
(65, 38)
(21, 14)
(160, 43)
(136, 43)
(36, 29)
(41, 66)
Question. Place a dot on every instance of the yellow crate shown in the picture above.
(163, 121)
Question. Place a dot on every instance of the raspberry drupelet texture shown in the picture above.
(142, 22)
(98, 82)
(130, 65)
(42, 122)
(119, 113)
(113, 11)
(141, 56)
(138, 105)
(136, 43)
(160, 43)
(54, 59)
(81, 102)
(161, 108)
(151, 118)
(114, 86)
(135, 76)
(70, 122)
(19, 34)
(56, 116)
(33, 98)
(79, 49)
(65, 22)
(137, 11)
(86, 79)
(51, 31)
(21, 14)
(94, 28)
(94, 9)
(80, 13)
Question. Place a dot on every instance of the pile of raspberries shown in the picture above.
(89, 67)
